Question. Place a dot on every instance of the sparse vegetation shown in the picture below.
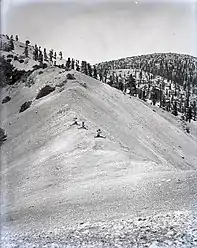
(25, 106)
(6, 99)
(10, 56)
(45, 91)
(6, 70)
(70, 76)
(9, 60)
(3, 136)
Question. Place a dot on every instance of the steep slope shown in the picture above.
(54, 173)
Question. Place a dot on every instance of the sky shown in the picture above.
(101, 30)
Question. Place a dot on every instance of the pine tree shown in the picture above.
(16, 37)
(110, 80)
(68, 64)
(55, 55)
(40, 57)
(60, 54)
(94, 72)
(175, 110)
(73, 64)
(77, 65)
(11, 45)
(26, 51)
(194, 110)
(45, 55)
(35, 52)
(51, 55)
(189, 114)
(89, 70)
(100, 77)
(132, 85)
(84, 67)
(27, 42)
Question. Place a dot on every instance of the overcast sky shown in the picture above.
(100, 30)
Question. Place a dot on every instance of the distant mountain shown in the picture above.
(181, 68)
(166, 79)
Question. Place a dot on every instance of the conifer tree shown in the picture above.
(175, 111)
(110, 80)
(77, 65)
(26, 51)
(73, 64)
(27, 42)
(60, 54)
(35, 52)
(100, 76)
(16, 37)
(11, 45)
(40, 57)
(55, 55)
(68, 64)
(84, 67)
(89, 72)
(51, 55)
(132, 85)
(94, 72)
(45, 55)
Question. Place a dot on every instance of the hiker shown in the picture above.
(83, 125)
(75, 122)
(98, 135)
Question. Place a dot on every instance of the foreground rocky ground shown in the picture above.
(175, 229)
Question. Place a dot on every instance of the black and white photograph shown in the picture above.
(98, 124)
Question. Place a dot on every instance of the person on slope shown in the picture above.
(98, 135)
(83, 126)
(75, 122)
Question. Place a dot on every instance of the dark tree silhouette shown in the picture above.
(26, 52)
(11, 45)
(60, 54)
(84, 67)
(27, 42)
(51, 55)
(45, 55)
(73, 64)
(94, 72)
(68, 64)
(77, 65)
(89, 70)
(35, 53)
(40, 57)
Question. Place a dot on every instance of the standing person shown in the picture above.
(83, 125)
(75, 122)
(98, 135)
